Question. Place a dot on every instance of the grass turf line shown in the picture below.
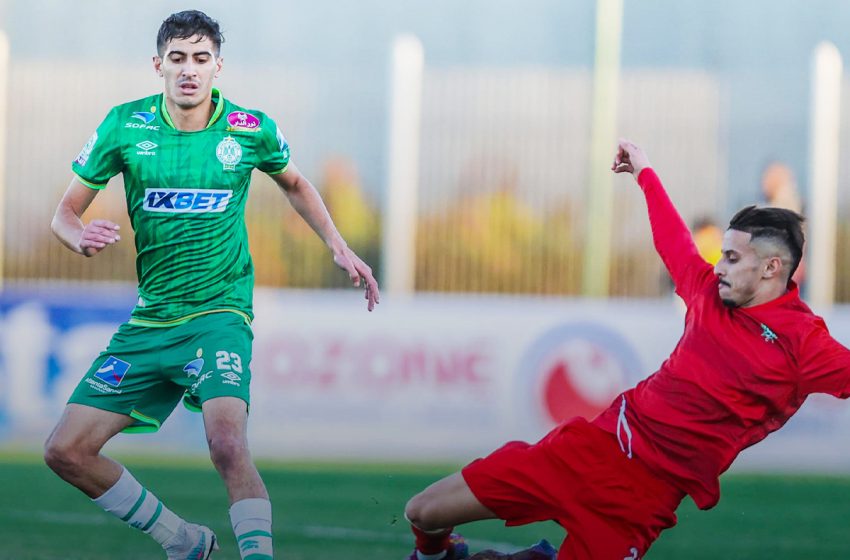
(331, 511)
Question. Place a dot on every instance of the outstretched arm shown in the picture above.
(309, 205)
(86, 239)
(824, 363)
(670, 234)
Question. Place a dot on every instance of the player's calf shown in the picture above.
(252, 524)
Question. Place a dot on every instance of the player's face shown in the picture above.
(739, 270)
(188, 67)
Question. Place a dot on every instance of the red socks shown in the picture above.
(431, 542)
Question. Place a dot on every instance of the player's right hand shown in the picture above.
(629, 159)
(98, 235)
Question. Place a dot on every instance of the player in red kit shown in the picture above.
(750, 354)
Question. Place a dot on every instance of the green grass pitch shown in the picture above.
(340, 512)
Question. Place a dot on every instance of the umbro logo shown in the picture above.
(146, 148)
(231, 378)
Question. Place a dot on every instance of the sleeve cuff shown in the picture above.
(279, 171)
(89, 184)
(647, 177)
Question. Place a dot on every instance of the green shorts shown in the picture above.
(145, 371)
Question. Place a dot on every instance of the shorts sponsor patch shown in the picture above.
(102, 388)
(112, 371)
(201, 378)
(193, 368)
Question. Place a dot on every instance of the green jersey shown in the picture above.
(186, 194)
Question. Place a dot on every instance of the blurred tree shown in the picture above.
(288, 253)
(483, 243)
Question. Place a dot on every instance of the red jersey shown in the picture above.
(736, 375)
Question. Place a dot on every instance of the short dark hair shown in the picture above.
(188, 23)
(778, 224)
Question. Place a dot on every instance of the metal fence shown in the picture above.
(503, 172)
(504, 176)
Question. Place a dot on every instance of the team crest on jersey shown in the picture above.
(767, 334)
(242, 121)
(229, 153)
(83, 157)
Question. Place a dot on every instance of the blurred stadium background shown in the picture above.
(499, 330)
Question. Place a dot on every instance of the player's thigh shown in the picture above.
(126, 378)
(210, 356)
(225, 417)
(617, 507)
(520, 483)
(84, 429)
(446, 503)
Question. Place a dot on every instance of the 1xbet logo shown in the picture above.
(186, 200)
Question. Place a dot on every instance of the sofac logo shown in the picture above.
(574, 370)
(193, 201)
(144, 116)
(142, 119)
(193, 368)
(243, 121)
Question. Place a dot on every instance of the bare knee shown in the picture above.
(63, 457)
(421, 512)
(228, 452)
(73, 448)
(444, 504)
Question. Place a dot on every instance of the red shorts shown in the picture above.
(611, 506)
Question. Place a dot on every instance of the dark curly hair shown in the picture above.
(189, 23)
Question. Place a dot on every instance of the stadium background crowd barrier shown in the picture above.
(502, 177)
(502, 189)
(502, 180)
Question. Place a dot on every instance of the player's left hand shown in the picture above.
(359, 272)
(629, 158)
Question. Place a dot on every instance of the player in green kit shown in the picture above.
(186, 156)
